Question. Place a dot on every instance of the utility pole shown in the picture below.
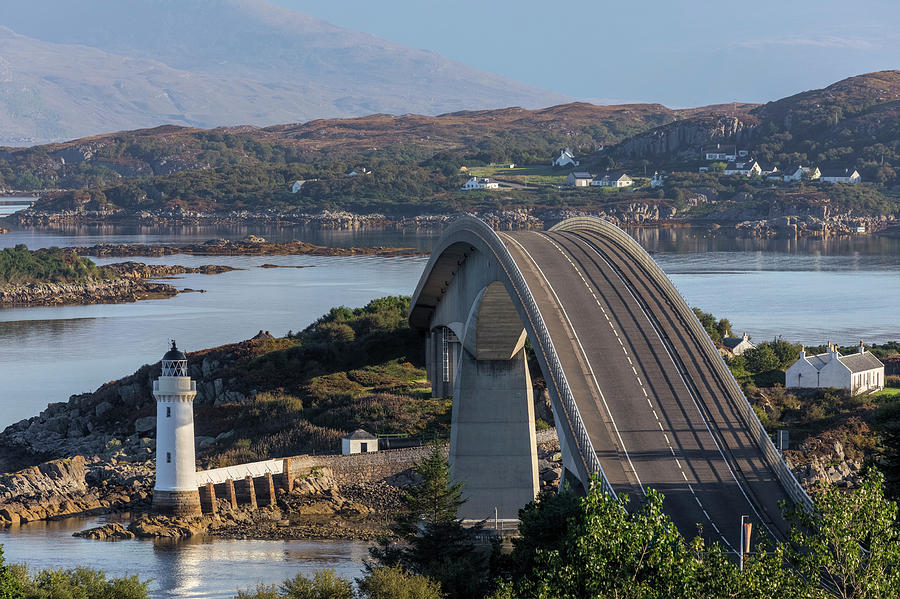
(746, 531)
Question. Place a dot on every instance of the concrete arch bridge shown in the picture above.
(639, 393)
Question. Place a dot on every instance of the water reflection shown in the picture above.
(194, 567)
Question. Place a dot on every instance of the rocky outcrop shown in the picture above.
(108, 532)
(688, 136)
(139, 270)
(94, 292)
(71, 487)
(247, 247)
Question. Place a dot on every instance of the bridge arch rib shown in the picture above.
(640, 395)
(442, 301)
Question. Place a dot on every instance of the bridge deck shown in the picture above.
(658, 413)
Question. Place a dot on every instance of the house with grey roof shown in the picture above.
(840, 175)
(738, 345)
(613, 179)
(578, 179)
(859, 373)
(359, 441)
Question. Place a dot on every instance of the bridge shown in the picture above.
(641, 397)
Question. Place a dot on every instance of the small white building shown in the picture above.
(619, 179)
(657, 180)
(579, 179)
(799, 173)
(738, 345)
(838, 175)
(723, 152)
(481, 183)
(297, 186)
(745, 168)
(359, 441)
(861, 372)
(565, 158)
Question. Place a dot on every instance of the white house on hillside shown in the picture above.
(297, 186)
(579, 179)
(724, 152)
(566, 158)
(658, 180)
(738, 345)
(861, 372)
(798, 173)
(749, 168)
(618, 179)
(481, 183)
(840, 175)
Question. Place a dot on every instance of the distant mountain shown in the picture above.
(852, 123)
(71, 69)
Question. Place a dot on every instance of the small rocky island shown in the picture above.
(54, 276)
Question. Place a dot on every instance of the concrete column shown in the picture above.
(208, 499)
(493, 449)
(230, 493)
(250, 490)
(287, 480)
(270, 489)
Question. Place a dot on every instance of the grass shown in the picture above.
(888, 393)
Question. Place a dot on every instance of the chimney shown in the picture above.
(802, 352)
(861, 348)
(745, 336)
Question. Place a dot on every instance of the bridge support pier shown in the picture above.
(493, 449)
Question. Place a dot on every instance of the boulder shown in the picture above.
(145, 424)
(108, 532)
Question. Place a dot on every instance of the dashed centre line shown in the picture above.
(640, 384)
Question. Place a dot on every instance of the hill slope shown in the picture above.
(77, 69)
(852, 123)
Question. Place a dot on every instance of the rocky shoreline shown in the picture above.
(741, 219)
(117, 291)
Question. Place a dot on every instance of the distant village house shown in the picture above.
(579, 179)
(800, 173)
(657, 180)
(618, 179)
(723, 152)
(861, 372)
(297, 186)
(738, 345)
(749, 168)
(481, 183)
(566, 158)
(845, 175)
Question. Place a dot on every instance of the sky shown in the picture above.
(676, 52)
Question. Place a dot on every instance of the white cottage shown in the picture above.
(297, 186)
(838, 175)
(613, 180)
(359, 441)
(738, 345)
(566, 158)
(861, 372)
(481, 183)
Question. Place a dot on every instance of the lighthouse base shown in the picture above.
(177, 503)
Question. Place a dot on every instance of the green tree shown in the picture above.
(434, 542)
(851, 542)
(10, 585)
(395, 583)
(761, 359)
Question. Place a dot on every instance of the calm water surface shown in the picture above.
(210, 568)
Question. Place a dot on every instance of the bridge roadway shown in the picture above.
(659, 413)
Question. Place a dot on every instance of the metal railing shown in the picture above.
(751, 421)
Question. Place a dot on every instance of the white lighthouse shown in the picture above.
(176, 476)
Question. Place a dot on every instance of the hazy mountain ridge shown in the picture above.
(77, 69)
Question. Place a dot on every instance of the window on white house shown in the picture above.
(168, 412)
(168, 457)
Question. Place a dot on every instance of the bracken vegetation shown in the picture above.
(19, 266)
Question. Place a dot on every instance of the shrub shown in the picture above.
(395, 583)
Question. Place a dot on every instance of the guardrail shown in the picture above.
(751, 421)
(560, 386)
